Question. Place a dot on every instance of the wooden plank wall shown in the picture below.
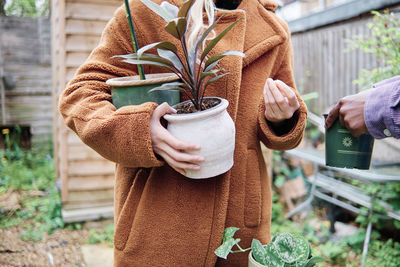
(87, 178)
(25, 62)
(323, 65)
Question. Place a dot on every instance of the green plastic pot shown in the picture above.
(344, 150)
(130, 90)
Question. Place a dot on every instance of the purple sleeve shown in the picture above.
(382, 109)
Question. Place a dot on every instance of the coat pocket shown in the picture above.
(252, 204)
(128, 211)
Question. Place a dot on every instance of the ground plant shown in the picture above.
(102, 236)
(28, 176)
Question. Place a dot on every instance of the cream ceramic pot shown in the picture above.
(214, 130)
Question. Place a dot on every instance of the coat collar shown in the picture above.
(263, 30)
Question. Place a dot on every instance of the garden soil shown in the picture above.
(62, 248)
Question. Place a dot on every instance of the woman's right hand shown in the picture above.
(170, 148)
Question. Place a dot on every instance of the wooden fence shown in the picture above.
(324, 63)
(87, 179)
(25, 75)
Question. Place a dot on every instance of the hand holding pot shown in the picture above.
(350, 111)
(280, 101)
(170, 148)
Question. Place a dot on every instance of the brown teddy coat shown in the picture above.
(161, 217)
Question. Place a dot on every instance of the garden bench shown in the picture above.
(333, 185)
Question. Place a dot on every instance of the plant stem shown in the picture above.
(240, 249)
(133, 36)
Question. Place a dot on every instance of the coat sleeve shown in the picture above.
(122, 135)
(382, 109)
(290, 135)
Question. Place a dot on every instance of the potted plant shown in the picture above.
(283, 250)
(135, 90)
(201, 120)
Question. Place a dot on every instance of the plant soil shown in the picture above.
(62, 248)
(188, 107)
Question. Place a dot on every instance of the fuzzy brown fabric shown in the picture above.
(161, 217)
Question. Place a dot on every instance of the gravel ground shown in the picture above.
(62, 248)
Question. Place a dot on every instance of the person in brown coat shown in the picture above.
(161, 217)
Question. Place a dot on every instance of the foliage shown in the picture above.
(385, 254)
(27, 8)
(32, 175)
(283, 250)
(336, 252)
(105, 235)
(383, 41)
(195, 69)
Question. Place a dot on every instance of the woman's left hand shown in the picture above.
(280, 101)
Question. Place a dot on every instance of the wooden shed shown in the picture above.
(25, 78)
(87, 179)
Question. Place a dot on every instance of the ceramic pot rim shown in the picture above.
(201, 114)
(135, 80)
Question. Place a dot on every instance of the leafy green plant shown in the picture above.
(27, 8)
(32, 176)
(283, 250)
(383, 41)
(105, 235)
(384, 253)
(195, 69)
(335, 252)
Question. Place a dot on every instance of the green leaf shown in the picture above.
(172, 57)
(162, 12)
(279, 181)
(310, 96)
(211, 66)
(229, 233)
(265, 255)
(149, 57)
(176, 27)
(159, 45)
(291, 249)
(216, 40)
(227, 53)
(259, 253)
(213, 79)
(226, 247)
(147, 62)
(314, 260)
(211, 72)
(183, 11)
(227, 242)
(169, 86)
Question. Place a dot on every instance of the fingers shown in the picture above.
(332, 116)
(177, 144)
(280, 101)
(274, 93)
(163, 109)
(289, 93)
(174, 151)
(177, 165)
